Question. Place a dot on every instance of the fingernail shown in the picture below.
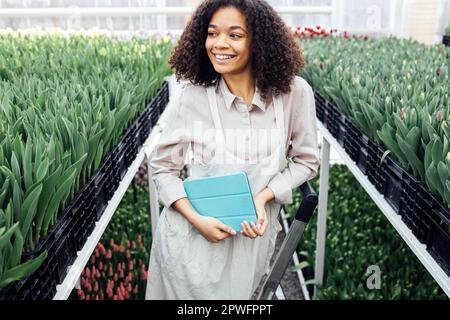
(258, 226)
(233, 232)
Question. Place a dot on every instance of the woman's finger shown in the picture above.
(263, 227)
(249, 230)
(255, 229)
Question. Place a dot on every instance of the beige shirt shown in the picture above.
(192, 125)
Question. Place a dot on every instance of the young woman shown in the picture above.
(243, 109)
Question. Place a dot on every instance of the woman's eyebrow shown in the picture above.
(231, 28)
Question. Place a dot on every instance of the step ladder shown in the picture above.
(290, 243)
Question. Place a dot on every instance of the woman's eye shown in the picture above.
(235, 36)
(210, 33)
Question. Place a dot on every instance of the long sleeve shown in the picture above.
(303, 159)
(168, 157)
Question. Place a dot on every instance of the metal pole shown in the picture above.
(322, 213)
(154, 207)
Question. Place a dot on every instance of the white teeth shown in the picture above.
(223, 57)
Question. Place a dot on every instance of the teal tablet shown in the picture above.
(227, 198)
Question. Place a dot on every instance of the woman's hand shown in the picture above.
(260, 200)
(213, 229)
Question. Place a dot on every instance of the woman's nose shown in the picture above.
(221, 42)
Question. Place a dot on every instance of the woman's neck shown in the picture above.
(241, 85)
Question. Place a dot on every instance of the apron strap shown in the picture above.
(279, 114)
(214, 112)
(279, 117)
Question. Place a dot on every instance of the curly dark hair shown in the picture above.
(275, 57)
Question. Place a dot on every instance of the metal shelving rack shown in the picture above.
(64, 289)
(419, 249)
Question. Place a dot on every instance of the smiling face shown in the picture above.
(228, 41)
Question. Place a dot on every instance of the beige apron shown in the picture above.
(184, 265)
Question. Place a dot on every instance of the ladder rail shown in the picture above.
(290, 243)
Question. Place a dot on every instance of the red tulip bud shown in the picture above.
(100, 265)
(88, 297)
(135, 290)
(121, 248)
(101, 248)
(111, 242)
(133, 245)
(121, 274)
(87, 272)
(139, 238)
(127, 243)
(97, 254)
(128, 254)
(96, 286)
(116, 277)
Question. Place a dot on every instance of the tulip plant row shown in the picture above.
(64, 104)
(358, 238)
(401, 102)
(117, 270)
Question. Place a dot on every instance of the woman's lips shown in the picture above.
(223, 61)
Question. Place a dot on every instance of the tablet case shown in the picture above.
(227, 198)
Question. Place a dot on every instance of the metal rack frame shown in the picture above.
(419, 249)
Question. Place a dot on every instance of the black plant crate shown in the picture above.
(439, 240)
(117, 164)
(351, 139)
(154, 117)
(361, 160)
(421, 214)
(356, 144)
(408, 200)
(340, 128)
(393, 186)
(100, 193)
(328, 115)
(376, 171)
(320, 110)
(61, 252)
(145, 129)
(446, 40)
(336, 122)
(131, 148)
